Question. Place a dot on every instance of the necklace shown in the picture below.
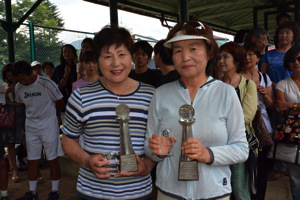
(115, 93)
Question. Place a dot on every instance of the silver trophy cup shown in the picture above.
(128, 161)
(188, 168)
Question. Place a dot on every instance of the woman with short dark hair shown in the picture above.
(91, 111)
(287, 98)
(219, 138)
(231, 61)
(48, 68)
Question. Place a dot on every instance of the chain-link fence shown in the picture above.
(46, 44)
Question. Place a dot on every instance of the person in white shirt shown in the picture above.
(43, 101)
(3, 168)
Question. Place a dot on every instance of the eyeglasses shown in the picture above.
(293, 60)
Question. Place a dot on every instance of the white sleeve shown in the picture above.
(55, 94)
(152, 126)
(236, 150)
(17, 92)
(280, 86)
(269, 82)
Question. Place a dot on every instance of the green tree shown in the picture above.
(47, 44)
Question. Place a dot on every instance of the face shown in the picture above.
(262, 42)
(155, 59)
(48, 70)
(285, 36)
(85, 47)
(141, 58)
(68, 53)
(283, 19)
(26, 80)
(90, 67)
(115, 63)
(37, 69)
(251, 59)
(294, 64)
(10, 77)
(190, 58)
(226, 62)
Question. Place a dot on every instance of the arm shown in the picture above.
(249, 103)
(267, 94)
(95, 163)
(236, 150)
(59, 106)
(282, 105)
(264, 67)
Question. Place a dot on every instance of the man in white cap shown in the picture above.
(37, 68)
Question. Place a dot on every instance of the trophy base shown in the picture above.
(188, 171)
(128, 163)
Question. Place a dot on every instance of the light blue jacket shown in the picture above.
(219, 125)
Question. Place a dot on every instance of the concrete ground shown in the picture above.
(276, 190)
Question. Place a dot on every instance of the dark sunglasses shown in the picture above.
(293, 60)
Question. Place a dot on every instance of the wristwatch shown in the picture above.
(295, 106)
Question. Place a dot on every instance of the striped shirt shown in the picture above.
(91, 112)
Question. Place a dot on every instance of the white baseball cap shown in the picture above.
(34, 63)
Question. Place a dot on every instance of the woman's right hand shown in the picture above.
(95, 163)
(67, 70)
(161, 145)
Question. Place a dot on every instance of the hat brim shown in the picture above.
(168, 44)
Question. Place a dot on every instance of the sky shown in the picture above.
(89, 17)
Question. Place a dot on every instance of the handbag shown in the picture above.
(285, 152)
(261, 130)
(7, 119)
(288, 129)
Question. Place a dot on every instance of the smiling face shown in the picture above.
(48, 70)
(115, 63)
(251, 59)
(226, 62)
(190, 58)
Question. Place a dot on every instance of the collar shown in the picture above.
(208, 81)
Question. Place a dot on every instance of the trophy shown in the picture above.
(188, 168)
(128, 161)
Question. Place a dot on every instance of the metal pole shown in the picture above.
(113, 8)
(184, 10)
(10, 32)
(296, 11)
(254, 17)
(32, 44)
(266, 21)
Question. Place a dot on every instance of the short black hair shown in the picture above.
(291, 53)
(252, 47)
(239, 36)
(89, 56)
(110, 35)
(45, 63)
(281, 15)
(165, 57)
(21, 67)
(147, 48)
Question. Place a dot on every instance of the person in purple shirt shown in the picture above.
(90, 65)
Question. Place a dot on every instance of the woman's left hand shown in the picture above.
(142, 169)
(282, 106)
(262, 90)
(194, 149)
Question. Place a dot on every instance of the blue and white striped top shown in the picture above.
(91, 111)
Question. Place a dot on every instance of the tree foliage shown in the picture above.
(47, 44)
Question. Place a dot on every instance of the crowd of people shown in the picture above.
(220, 88)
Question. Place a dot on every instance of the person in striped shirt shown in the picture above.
(91, 112)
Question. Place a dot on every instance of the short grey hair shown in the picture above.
(259, 32)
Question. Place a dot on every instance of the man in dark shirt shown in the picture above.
(164, 61)
(141, 56)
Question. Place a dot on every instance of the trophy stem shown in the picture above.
(125, 138)
(187, 133)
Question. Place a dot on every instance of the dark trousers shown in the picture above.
(262, 174)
